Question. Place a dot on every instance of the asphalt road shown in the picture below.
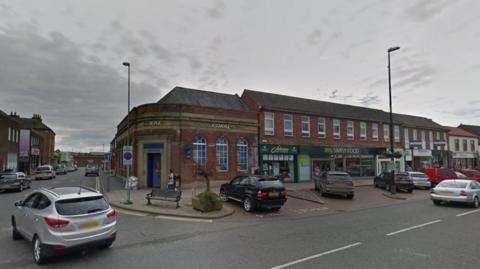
(412, 234)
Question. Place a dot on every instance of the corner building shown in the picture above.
(184, 131)
(300, 138)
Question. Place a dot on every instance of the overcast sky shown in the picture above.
(62, 59)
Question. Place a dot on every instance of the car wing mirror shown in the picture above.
(19, 203)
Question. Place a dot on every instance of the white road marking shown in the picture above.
(413, 227)
(184, 219)
(468, 212)
(316, 256)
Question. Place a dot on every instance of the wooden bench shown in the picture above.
(164, 195)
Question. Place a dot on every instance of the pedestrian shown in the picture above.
(171, 181)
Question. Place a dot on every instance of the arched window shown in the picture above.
(221, 149)
(199, 150)
(242, 154)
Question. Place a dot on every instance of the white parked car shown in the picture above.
(45, 172)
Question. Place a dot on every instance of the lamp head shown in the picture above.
(126, 63)
(393, 49)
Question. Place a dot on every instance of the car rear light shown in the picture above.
(112, 214)
(58, 246)
(261, 194)
(18, 179)
(283, 193)
(463, 193)
(114, 234)
(327, 182)
(56, 222)
(432, 190)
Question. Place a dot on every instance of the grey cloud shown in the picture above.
(424, 10)
(216, 11)
(214, 75)
(369, 100)
(314, 37)
(81, 97)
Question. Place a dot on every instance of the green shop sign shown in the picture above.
(278, 149)
(338, 150)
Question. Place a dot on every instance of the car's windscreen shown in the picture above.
(453, 184)
(43, 168)
(79, 206)
(419, 175)
(8, 176)
(270, 183)
(446, 172)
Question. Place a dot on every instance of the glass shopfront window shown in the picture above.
(360, 166)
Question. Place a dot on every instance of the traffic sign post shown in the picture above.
(127, 160)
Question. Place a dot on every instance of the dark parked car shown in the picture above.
(339, 183)
(91, 169)
(14, 181)
(402, 181)
(255, 192)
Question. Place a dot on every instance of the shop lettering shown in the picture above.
(279, 149)
(342, 150)
(153, 123)
(219, 125)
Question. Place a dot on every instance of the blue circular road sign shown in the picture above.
(127, 156)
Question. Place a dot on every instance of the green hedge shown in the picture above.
(210, 201)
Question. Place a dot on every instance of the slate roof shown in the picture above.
(471, 128)
(316, 107)
(460, 132)
(186, 96)
(418, 122)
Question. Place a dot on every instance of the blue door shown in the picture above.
(154, 170)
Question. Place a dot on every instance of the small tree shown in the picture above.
(202, 171)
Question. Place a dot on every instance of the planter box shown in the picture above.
(203, 208)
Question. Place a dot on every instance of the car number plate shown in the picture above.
(273, 194)
(88, 225)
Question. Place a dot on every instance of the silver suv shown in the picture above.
(58, 220)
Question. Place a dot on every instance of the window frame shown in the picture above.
(196, 149)
(456, 142)
(363, 130)
(386, 132)
(287, 132)
(221, 146)
(303, 120)
(374, 131)
(335, 134)
(322, 121)
(396, 133)
(464, 145)
(350, 127)
(268, 130)
(242, 148)
(472, 146)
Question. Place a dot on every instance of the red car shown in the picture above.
(436, 175)
(471, 173)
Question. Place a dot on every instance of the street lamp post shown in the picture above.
(127, 64)
(393, 187)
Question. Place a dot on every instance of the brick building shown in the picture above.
(474, 129)
(425, 141)
(186, 129)
(27, 141)
(301, 137)
(81, 159)
(463, 147)
(9, 140)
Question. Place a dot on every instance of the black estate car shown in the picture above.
(402, 181)
(255, 192)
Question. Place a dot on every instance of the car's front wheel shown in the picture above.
(38, 254)
(248, 204)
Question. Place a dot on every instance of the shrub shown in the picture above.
(209, 201)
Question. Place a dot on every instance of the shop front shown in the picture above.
(279, 160)
(357, 161)
(464, 160)
(384, 162)
(422, 158)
